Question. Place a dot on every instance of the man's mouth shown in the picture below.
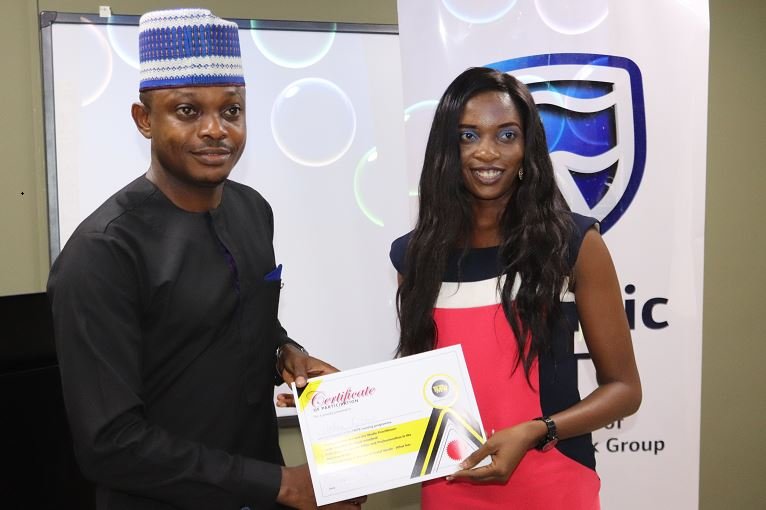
(212, 155)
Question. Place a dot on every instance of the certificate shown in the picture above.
(387, 425)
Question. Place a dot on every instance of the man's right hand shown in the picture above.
(297, 492)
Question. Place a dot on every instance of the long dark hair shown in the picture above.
(535, 227)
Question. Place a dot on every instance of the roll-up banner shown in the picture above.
(622, 89)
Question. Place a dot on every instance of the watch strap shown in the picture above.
(278, 358)
(551, 436)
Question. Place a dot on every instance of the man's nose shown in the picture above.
(213, 127)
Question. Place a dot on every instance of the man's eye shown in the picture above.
(234, 111)
(185, 111)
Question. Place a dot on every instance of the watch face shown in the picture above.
(549, 445)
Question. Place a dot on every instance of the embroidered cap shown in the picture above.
(188, 48)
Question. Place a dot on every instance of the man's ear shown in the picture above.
(140, 114)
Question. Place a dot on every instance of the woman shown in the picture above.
(499, 264)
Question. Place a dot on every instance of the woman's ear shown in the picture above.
(140, 113)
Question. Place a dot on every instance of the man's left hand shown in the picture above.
(297, 366)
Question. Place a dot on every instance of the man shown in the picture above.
(165, 300)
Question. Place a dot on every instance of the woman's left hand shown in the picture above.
(506, 448)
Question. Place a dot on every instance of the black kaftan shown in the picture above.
(166, 331)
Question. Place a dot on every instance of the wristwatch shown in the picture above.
(278, 355)
(551, 437)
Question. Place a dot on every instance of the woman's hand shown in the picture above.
(506, 449)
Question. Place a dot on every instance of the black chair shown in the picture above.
(37, 465)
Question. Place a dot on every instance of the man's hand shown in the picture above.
(285, 400)
(298, 366)
(351, 504)
(295, 489)
(297, 492)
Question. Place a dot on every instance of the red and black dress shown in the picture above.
(468, 312)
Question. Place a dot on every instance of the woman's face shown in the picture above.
(491, 147)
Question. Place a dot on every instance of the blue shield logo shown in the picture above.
(592, 107)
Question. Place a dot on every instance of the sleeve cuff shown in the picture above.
(260, 483)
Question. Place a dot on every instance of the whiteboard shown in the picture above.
(325, 147)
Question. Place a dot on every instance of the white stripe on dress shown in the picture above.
(483, 293)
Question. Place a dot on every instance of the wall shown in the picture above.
(733, 399)
(733, 395)
(23, 211)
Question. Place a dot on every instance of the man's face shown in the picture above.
(198, 133)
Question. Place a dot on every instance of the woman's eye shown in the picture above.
(467, 136)
(507, 135)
